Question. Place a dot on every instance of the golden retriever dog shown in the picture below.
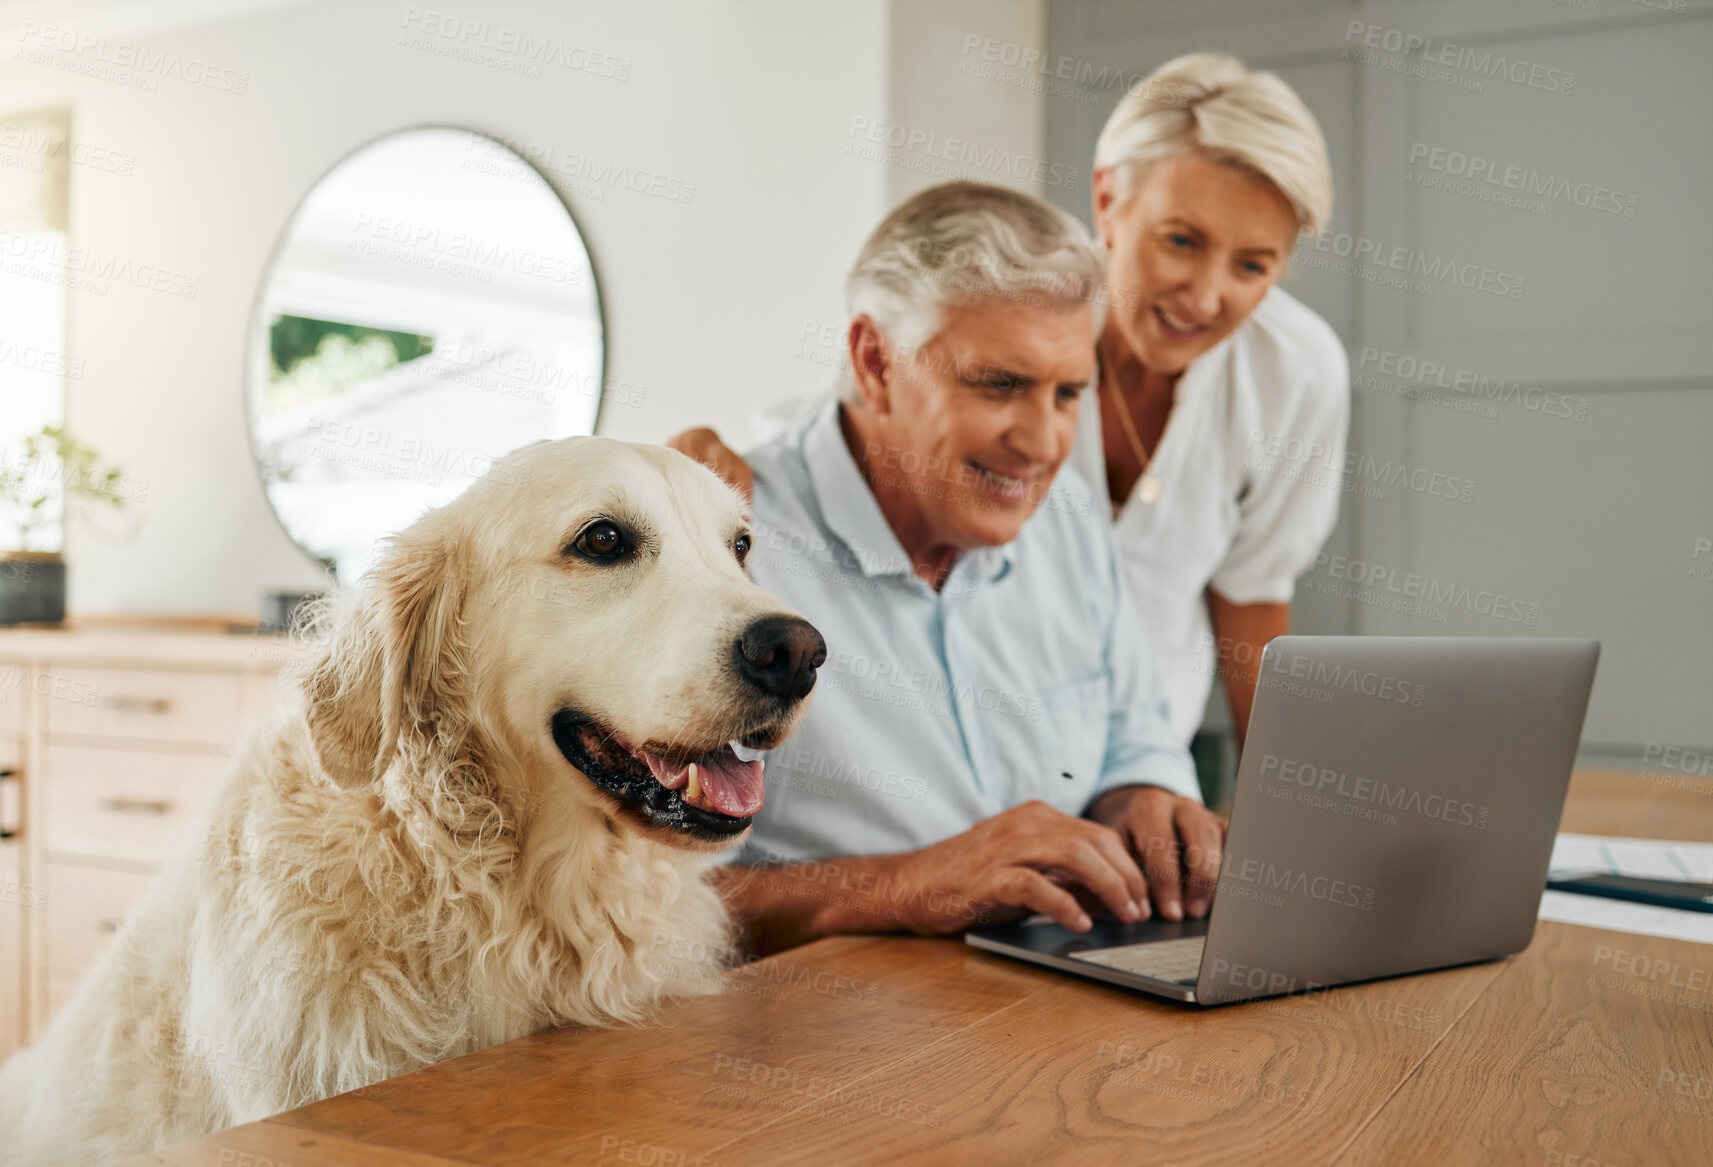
(487, 808)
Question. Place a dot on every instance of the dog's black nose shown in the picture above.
(779, 655)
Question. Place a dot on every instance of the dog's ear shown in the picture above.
(394, 665)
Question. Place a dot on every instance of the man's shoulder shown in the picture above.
(783, 488)
(785, 513)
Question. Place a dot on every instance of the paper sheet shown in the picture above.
(1647, 858)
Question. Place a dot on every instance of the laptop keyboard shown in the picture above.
(1177, 961)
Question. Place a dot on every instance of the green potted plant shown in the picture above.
(56, 465)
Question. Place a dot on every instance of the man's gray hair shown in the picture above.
(965, 242)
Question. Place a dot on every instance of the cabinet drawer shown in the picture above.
(14, 693)
(11, 787)
(85, 908)
(138, 703)
(124, 804)
(12, 921)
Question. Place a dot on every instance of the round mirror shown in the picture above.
(429, 308)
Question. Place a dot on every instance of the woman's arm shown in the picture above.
(1241, 631)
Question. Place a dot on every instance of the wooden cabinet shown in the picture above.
(114, 741)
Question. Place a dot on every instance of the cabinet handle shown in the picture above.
(137, 805)
(108, 927)
(122, 704)
(9, 811)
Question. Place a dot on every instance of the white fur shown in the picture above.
(400, 866)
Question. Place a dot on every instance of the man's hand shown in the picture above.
(704, 445)
(1177, 840)
(1022, 859)
(1030, 858)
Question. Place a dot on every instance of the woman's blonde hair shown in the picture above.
(1212, 104)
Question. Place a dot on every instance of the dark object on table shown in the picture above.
(1664, 893)
(32, 588)
(279, 609)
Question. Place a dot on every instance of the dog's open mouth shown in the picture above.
(711, 795)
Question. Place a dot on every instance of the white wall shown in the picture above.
(750, 100)
(977, 127)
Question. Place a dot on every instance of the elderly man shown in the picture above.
(990, 738)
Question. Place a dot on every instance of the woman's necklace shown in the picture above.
(1148, 489)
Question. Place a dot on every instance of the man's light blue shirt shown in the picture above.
(1027, 676)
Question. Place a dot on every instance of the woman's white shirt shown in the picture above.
(1250, 474)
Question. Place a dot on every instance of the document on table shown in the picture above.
(1647, 858)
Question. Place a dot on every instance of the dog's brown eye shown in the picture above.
(740, 546)
(603, 540)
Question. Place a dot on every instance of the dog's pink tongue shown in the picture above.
(670, 776)
(734, 787)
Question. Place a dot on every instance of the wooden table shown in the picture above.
(1576, 1053)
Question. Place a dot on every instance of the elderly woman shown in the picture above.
(1210, 374)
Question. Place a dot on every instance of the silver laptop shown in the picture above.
(1396, 806)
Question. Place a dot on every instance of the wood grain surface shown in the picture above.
(1589, 1048)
